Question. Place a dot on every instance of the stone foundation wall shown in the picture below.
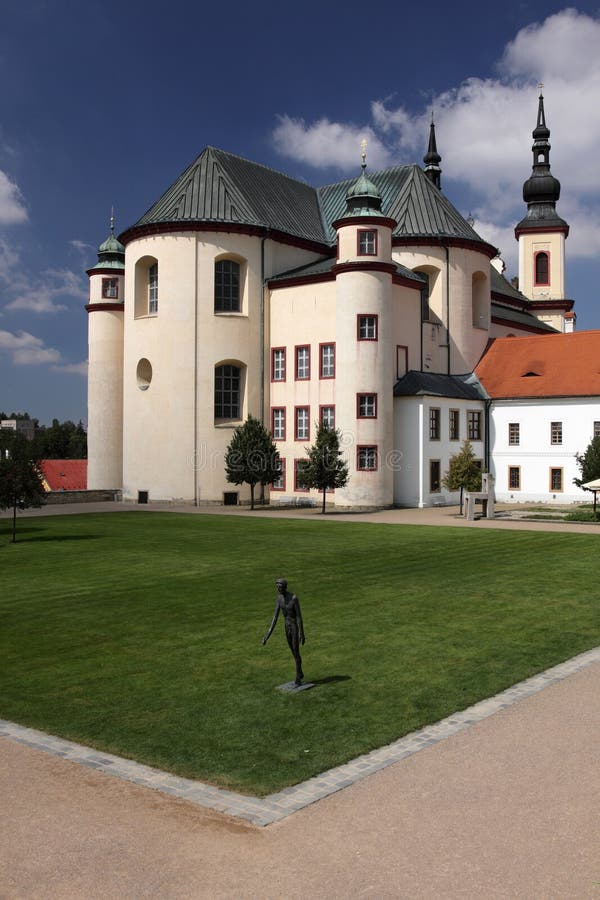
(53, 497)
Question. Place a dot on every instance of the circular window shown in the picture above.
(144, 374)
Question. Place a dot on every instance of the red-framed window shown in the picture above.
(366, 406)
(367, 327)
(279, 483)
(110, 288)
(541, 268)
(366, 242)
(302, 357)
(302, 423)
(278, 423)
(299, 464)
(278, 364)
(327, 416)
(366, 459)
(326, 360)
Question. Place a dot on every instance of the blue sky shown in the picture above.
(106, 104)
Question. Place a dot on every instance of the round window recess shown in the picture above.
(144, 374)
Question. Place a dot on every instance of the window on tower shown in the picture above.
(110, 288)
(542, 268)
(228, 392)
(367, 243)
(227, 286)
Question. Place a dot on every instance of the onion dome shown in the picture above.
(541, 191)
(432, 159)
(111, 252)
(363, 198)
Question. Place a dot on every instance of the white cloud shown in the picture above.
(39, 294)
(26, 349)
(12, 205)
(326, 144)
(73, 368)
(484, 127)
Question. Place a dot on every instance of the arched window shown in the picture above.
(480, 300)
(227, 286)
(542, 268)
(146, 286)
(228, 391)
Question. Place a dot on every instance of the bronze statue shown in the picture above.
(289, 605)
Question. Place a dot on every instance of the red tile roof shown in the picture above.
(553, 365)
(65, 474)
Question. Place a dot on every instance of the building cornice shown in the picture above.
(549, 229)
(364, 266)
(445, 241)
(261, 231)
(364, 220)
(105, 307)
(105, 271)
(567, 305)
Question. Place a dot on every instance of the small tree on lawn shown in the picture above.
(589, 465)
(324, 470)
(464, 472)
(20, 479)
(252, 457)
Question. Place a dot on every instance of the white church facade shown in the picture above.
(366, 305)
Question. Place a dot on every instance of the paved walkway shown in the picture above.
(500, 801)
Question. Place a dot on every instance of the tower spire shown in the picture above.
(432, 158)
(541, 191)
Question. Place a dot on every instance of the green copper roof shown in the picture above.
(111, 252)
(220, 187)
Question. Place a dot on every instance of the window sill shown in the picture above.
(229, 314)
(228, 423)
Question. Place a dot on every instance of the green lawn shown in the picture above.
(140, 633)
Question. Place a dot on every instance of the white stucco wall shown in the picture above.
(535, 454)
(414, 449)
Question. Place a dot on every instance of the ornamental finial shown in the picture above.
(363, 145)
(112, 220)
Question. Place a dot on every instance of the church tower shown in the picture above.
(105, 366)
(542, 233)
(363, 277)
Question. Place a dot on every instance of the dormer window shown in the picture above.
(367, 243)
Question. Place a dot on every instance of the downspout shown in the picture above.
(262, 344)
(486, 442)
(448, 302)
(195, 457)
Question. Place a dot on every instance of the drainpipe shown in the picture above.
(448, 302)
(195, 457)
(486, 442)
(262, 344)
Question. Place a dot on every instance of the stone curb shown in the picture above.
(277, 806)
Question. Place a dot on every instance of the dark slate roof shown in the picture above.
(501, 285)
(520, 317)
(221, 187)
(323, 266)
(410, 198)
(432, 384)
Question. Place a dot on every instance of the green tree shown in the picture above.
(251, 457)
(324, 470)
(589, 462)
(20, 478)
(589, 465)
(464, 472)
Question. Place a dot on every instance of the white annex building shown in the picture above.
(366, 305)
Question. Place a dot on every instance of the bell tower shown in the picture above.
(542, 233)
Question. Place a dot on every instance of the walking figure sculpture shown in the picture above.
(289, 605)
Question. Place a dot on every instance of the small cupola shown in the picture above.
(363, 198)
(111, 252)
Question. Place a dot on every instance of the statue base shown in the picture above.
(290, 687)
